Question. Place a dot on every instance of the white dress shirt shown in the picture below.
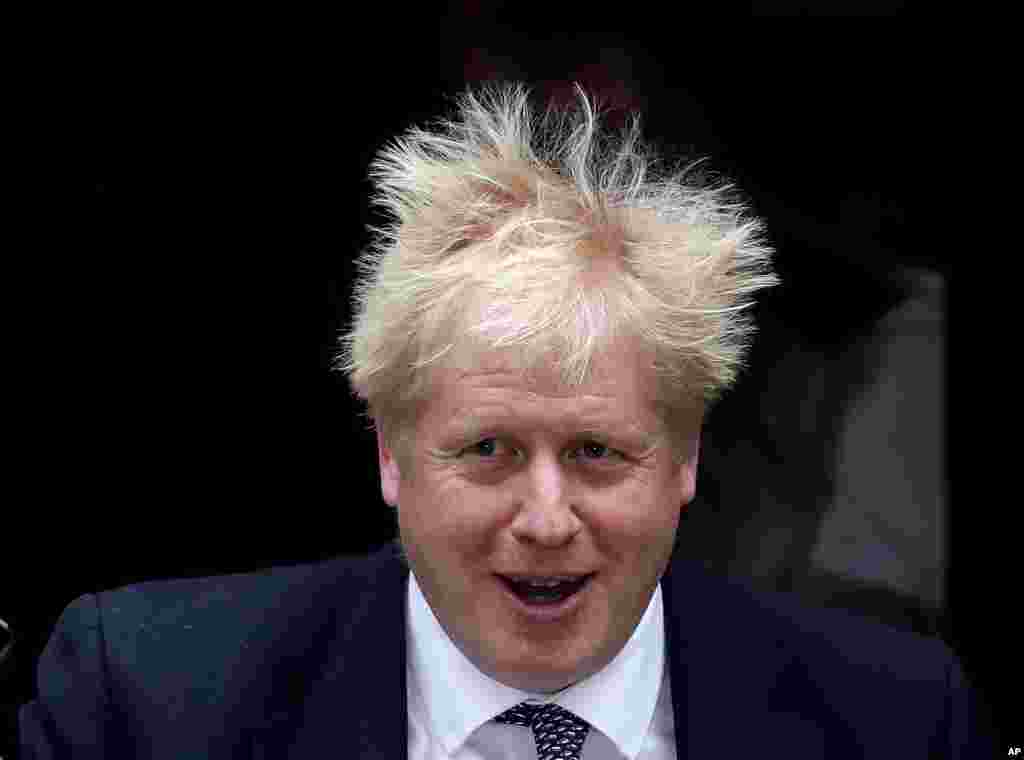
(452, 703)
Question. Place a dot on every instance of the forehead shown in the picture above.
(616, 396)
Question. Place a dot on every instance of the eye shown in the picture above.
(478, 448)
(594, 450)
(596, 446)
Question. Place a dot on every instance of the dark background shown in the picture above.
(184, 429)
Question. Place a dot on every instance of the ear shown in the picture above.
(688, 471)
(390, 477)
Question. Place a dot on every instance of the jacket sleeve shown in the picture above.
(68, 717)
(968, 730)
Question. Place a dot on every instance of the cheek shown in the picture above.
(636, 532)
(642, 513)
(447, 518)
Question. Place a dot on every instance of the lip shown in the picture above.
(547, 613)
(523, 576)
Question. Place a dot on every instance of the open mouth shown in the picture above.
(547, 593)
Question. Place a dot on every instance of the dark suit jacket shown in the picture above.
(309, 662)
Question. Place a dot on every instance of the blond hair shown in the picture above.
(548, 237)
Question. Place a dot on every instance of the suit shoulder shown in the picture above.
(276, 588)
(817, 635)
(198, 652)
(165, 631)
(821, 673)
(852, 642)
(170, 635)
(859, 640)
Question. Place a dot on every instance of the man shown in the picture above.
(538, 337)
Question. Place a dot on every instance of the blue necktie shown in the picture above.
(559, 734)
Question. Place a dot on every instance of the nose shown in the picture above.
(546, 515)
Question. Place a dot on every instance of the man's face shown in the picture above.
(507, 479)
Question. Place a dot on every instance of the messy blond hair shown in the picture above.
(548, 237)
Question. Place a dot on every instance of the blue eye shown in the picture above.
(475, 447)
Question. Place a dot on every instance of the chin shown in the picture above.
(540, 685)
(541, 677)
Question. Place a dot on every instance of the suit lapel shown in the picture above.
(726, 658)
(357, 706)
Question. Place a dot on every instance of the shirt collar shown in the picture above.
(456, 698)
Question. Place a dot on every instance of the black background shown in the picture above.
(179, 426)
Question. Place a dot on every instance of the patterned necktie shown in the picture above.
(559, 733)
